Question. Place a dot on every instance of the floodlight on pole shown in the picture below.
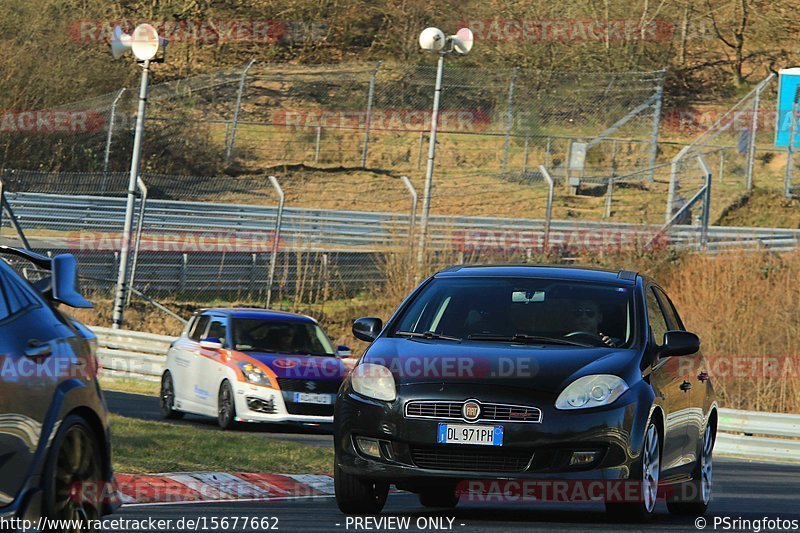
(434, 40)
(144, 44)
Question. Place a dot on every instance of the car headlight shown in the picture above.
(591, 391)
(374, 381)
(253, 374)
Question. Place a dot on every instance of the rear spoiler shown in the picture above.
(62, 286)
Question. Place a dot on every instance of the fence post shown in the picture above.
(275, 239)
(184, 268)
(609, 192)
(112, 117)
(549, 211)
(253, 267)
(525, 157)
(706, 204)
(509, 118)
(547, 155)
(413, 216)
(316, 146)
(232, 137)
(613, 158)
(656, 125)
(721, 165)
(419, 150)
(368, 122)
(751, 154)
(787, 180)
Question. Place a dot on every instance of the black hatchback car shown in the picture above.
(54, 438)
(528, 375)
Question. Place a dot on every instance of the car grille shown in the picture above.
(309, 409)
(470, 459)
(328, 386)
(490, 412)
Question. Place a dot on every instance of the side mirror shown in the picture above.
(367, 328)
(65, 283)
(679, 343)
(211, 343)
(343, 351)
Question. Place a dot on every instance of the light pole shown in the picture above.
(434, 40)
(144, 44)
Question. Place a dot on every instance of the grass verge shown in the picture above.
(141, 447)
(134, 386)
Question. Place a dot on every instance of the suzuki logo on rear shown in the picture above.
(471, 410)
(310, 385)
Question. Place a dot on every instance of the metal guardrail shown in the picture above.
(751, 434)
(334, 230)
(132, 354)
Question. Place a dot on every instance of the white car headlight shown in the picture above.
(591, 391)
(253, 374)
(374, 381)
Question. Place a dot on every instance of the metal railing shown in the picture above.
(752, 434)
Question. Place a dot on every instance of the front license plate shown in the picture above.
(307, 397)
(468, 434)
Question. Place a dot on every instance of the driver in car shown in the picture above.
(586, 317)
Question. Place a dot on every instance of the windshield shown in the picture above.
(297, 338)
(517, 310)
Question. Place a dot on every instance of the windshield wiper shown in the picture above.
(526, 339)
(427, 335)
(306, 352)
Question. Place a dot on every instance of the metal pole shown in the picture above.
(609, 192)
(706, 204)
(111, 120)
(721, 165)
(751, 149)
(413, 220)
(138, 239)
(525, 158)
(316, 145)
(273, 257)
(613, 158)
(119, 297)
(549, 212)
(426, 198)
(419, 150)
(656, 126)
(509, 118)
(547, 153)
(232, 137)
(787, 180)
(368, 122)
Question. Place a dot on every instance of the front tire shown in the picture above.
(226, 407)
(72, 481)
(357, 495)
(694, 496)
(168, 410)
(646, 471)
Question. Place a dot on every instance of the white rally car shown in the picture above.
(253, 365)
